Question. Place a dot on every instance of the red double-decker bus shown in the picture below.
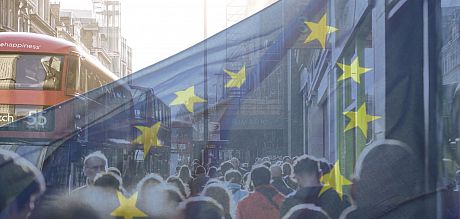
(38, 71)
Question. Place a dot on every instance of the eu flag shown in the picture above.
(355, 83)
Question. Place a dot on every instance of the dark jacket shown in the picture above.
(420, 206)
(281, 186)
(198, 185)
(290, 182)
(329, 201)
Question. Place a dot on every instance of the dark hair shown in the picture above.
(200, 170)
(324, 166)
(19, 180)
(302, 211)
(107, 180)
(267, 164)
(287, 169)
(260, 175)
(378, 166)
(176, 181)
(201, 207)
(233, 176)
(286, 158)
(212, 172)
(174, 194)
(226, 166)
(219, 193)
(306, 164)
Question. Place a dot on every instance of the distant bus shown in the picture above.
(38, 71)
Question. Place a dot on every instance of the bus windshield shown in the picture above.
(30, 71)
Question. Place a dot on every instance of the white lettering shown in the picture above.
(36, 119)
(20, 45)
(6, 118)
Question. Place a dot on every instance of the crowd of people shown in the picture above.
(388, 182)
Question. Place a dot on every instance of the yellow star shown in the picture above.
(127, 208)
(334, 180)
(148, 138)
(359, 119)
(237, 78)
(319, 31)
(188, 98)
(352, 71)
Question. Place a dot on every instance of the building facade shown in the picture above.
(407, 87)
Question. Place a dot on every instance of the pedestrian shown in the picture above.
(264, 202)
(307, 175)
(277, 180)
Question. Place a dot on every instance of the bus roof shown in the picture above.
(40, 43)
(32, 42)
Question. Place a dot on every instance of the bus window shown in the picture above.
(8, 73)
(24, 71)
(83, 76)
(52, 66)
(72, 73)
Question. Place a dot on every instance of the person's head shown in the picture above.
(150, 180)
(107, 180)
(302, 211)
(93, 164)
(324, 166)
(184, 174)
(265, 159)
(233, 176)
(235, 162)
(226, 166)
(212, 172)
(200, 171)
(21, 185)
(66, 207)
(176, 181)
(287, 169)
(286, 159)
(260, 175)
(276, 171)
(267, 164)
(306, 171)
(219, 193)
(177, 169)
(160, 201)
(202, 207)
(387, 173)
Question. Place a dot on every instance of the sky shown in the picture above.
(157, 29)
